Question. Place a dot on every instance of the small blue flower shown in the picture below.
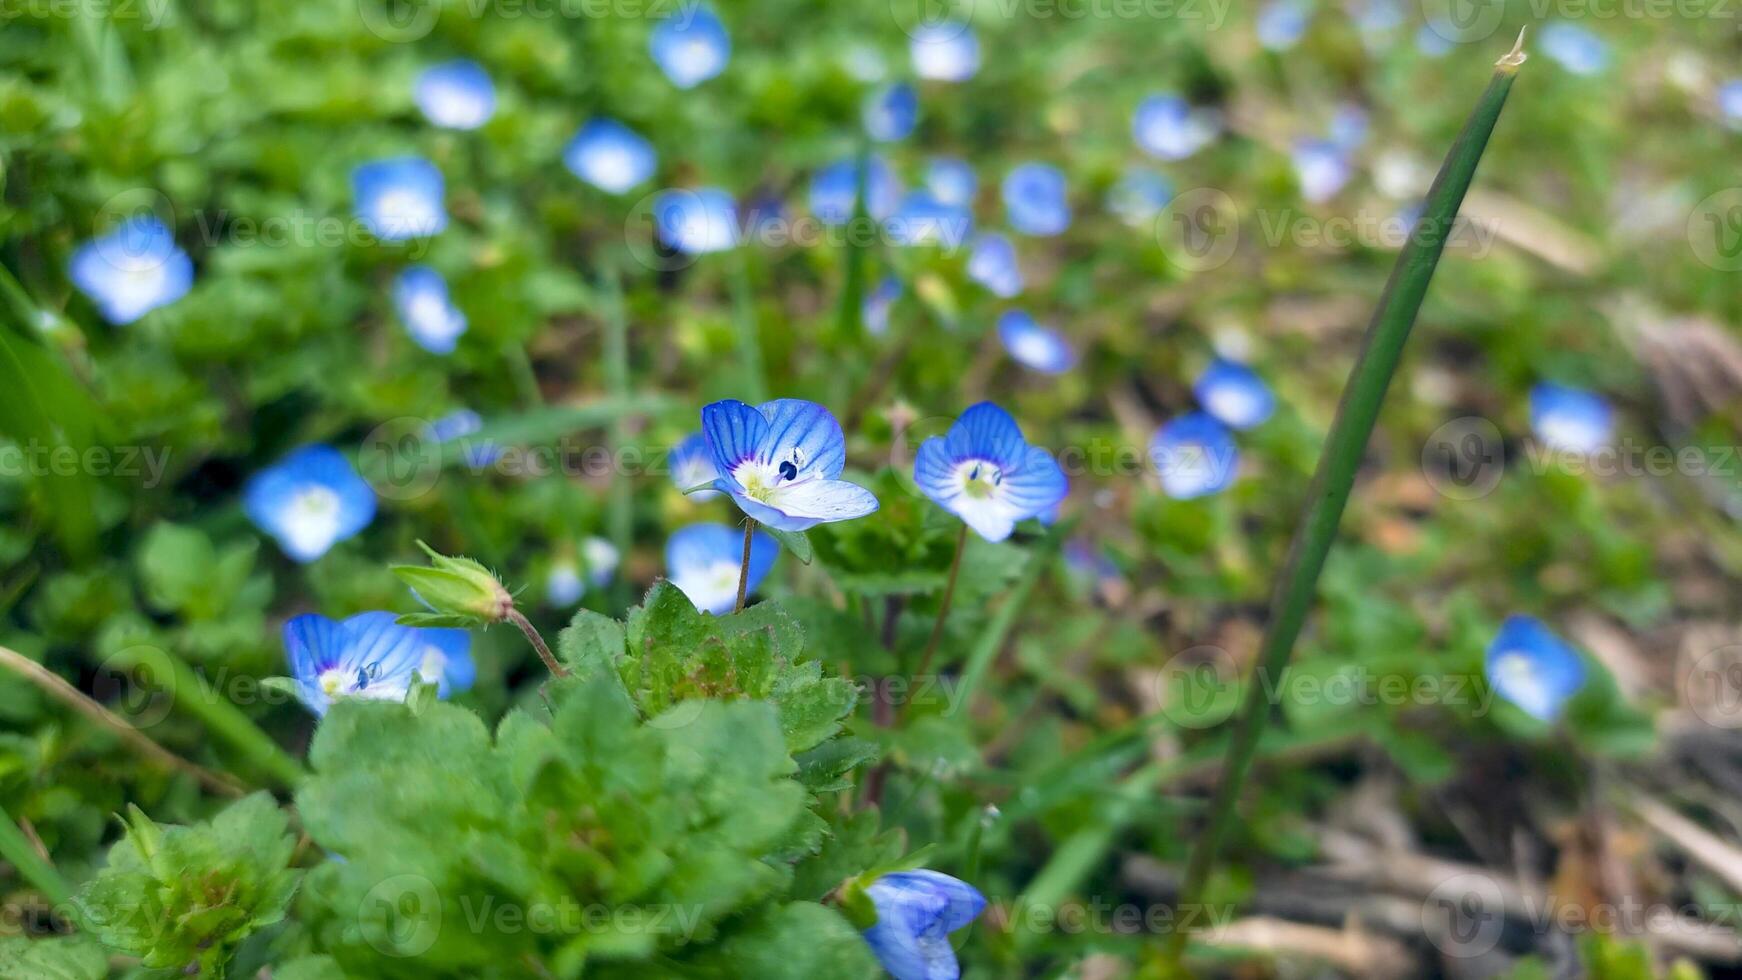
(697, 221)
(891, 112)
(1234, 394)
(992, 263)
(691, 47)
(399, 198)
(1034, 346)
(601, 559)
(924, 220)
(1730, 101)
(1376, 20)
(1166, 126)
(1282, 23)
(1570, 418)
(1575, 48)
(308, 501)
(1034, 199)
(1139, 196)
(834, 187)
(946, 52)
(986, 473)
(1322, 168)
(371, 656)
(563, 585)
(456, 94)
(1533, 668)
(692, 465)
(705, 561)
(458, 425)
(951, 181)
(1431, 42)
(1194, 455)
(132, 270)
(875, 311)
(916, 912)
(610, 156)
(781, 463)
(1349, 127)
(420, 295)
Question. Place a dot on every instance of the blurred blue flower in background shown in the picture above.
(992, 263)
(924, 220)
(1168, 127)
(1575, 48)
(1570, 418)
(1282, 23)
(691, 46)
(420, 295)
(600, 557)
(947, 51)
(132, 270)
(697, 221)
(916, 912)
(372, 657)
(782, 462)
(834, 188)
(986, 473)
(563, 585)
(1376, 20)
(951, 181)
(459, 425)
(1234, 394)
(1349, 126)
(891, 112)
(705, 562)
(1139, 195)
(308, 501)
(693, 466)
(1322, 168)
(1431, 42)
(1730, 101)
(399, 198)
(1533, 668)
(1034, 346)
(875, 311)
(1194, 455)
(610, 156)
(1034, 199)
(456, 94)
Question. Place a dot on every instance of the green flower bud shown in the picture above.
(459, 592)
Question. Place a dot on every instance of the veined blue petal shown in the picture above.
(1572, 419)
(1034, 200)
(399, 198)
(992, 263)
(697, 221)
(420, 295)
(807, 435)
(779, 462)
(610, 156)
(310, 500)
(735, 432)
(891, 112)
(1168, 127)
(986, 473)
(802, 506)
(1234, 394)
(456, 94)
(951, 181)
(1194, 455)
(690, 46)
(1034, 346)
(947, 51)
(372, 656)
(1533, 668)
(133, 270)
(916, 912)
(703, 560)
(693, 465)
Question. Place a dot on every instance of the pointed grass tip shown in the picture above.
(1516, 56)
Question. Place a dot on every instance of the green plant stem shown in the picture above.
(744, 324)
(16, 848)
(533, 637)
(744, 566)
(525, 377)
(849, 315)
(1356, 414)
(619, 509)
(937, 628)
(992, 638)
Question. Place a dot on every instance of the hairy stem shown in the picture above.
(532, 636)
(744, 566)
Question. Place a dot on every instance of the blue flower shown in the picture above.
(891, 112)
(1234, 394)
(835, 186)
(456, 94)
(692, 465)
(132, 270)
(946, 52)
(951, 181)
(1431, 42)
(420, 295)
(371, 656)
(399, 198)
(601, 559)
(1166, 126)
(1533, 668)
(1282, 23)
(1034, 199)
(924, 220)
(986, 473)
(992, 263)
(1570, 418)
(1139, 196)
(1034, 346)
(610, 156)
(308, 501)
(459, 424)
(563, 585)
(875, 311)
(1730, 101)
(697, 221)
(691, 47)
(1349, 126)
(704, 562)
(1575, 48)
(781, 462)
(1194, 455)
(1322, 168)
(916, 912)
(1376, 20)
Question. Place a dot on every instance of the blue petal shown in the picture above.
(1139, 196)
(875, 310)
(834, 189)
(311, 645)
(735, 432)
(456, 94)
(399, 198)
(891, 112)
(690, 47)
(924, 220)
(610, 156)
(697, 221)
(693, 465)
(270, 495)
(1194, 455)
(458, 670)
(947, 51)
(375, 641)
(1034, 346)
(1575, 48)
(1730, 101)
(1281, 24)
(1034, 200)
(1533, 668)
(1234, 394)
(916, 911)
(1322, 168)
(1570, 418)
(803, 505)
(133, 270)
(992, 263)
(951, 181)
(987, 432)
(807, 428)
(693, 553)
(420, 295)
(1168, 127)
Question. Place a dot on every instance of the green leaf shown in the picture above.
(796, 941)
(794, 542)
(61, 958)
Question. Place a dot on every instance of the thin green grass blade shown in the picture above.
(619, 513)
(15, 847)
(848, 317)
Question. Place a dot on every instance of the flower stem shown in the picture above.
(531, 633)
(744, 567)
(1362, 397)
(937, 628)
(18, 851)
